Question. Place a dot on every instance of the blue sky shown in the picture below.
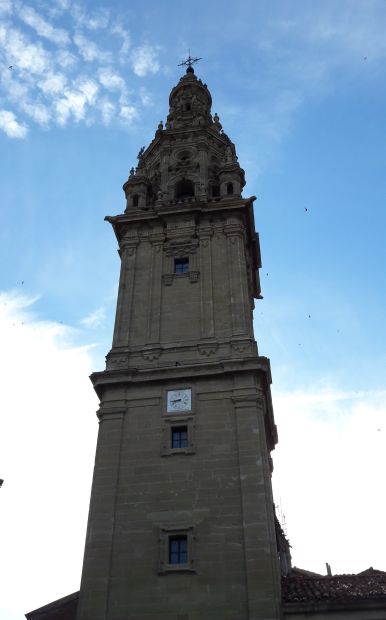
(300, 89)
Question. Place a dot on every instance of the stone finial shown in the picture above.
(229, 159)
(216, 120)
(132, 172)
(160, 126)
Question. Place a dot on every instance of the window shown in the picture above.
(215, 191)
(179, 437)
(229, 188)
(176, 546)
(181, 265)
(184, 189)
(135, 200)
(178, 550)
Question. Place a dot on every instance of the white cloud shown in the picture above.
(95, 319)
(38, 416)
(65, 59)
(329, 472)
(121, 32)
(38, 112)
(89, 50)
(5, 7)
(89, 88)
(111, 80)
(74, 101)
(144, 60)
(108, 111)
(52, 83)
(11, 126)
(145, 97)
(21, 53)
(128, 113)
(42, 26)
(91, 20)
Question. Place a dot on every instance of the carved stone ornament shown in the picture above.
(116, 361)
(207, 349)
(241, 346)
(151, 354)
(179, 249)
(194, 275)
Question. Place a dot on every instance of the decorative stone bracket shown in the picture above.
(207, 348)
(168, 278)
(151, 354)
(116, 361)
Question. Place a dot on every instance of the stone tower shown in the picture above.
(181, 523)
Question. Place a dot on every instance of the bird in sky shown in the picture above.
(10, 67)
(305, 208)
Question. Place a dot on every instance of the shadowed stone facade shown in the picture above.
(181, 523)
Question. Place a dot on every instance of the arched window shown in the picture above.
(229, 188)
(184, 189)
(135, 200)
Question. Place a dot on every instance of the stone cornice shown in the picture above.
(183, 370)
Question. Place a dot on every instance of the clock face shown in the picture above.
(179, 400)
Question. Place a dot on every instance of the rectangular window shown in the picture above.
(181, 265)
(178, 550)
(179, 437)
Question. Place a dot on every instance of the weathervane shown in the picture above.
(188, 63)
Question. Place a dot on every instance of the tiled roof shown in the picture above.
(304, 587)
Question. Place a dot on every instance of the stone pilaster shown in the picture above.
(234, 231)
(95, 586)
(155, 291)
(128, 249)
(261, 564)
(207, 318)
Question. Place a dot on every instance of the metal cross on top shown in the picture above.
(189, 62)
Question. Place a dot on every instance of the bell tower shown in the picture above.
(181, 523)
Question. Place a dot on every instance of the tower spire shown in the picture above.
(189, 62)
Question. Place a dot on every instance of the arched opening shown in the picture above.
(184, 189)
(188, 107)
(135, 200)
(229, 188)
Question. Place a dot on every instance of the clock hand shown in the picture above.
(177, 400)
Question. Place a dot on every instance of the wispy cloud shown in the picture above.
(42, 27)
(55, 70)
(11, 126)
(122, 33)
(144, 60)
(5, 7)
(95, 319)
(90, 50)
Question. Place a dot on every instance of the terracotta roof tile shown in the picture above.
(302, 586)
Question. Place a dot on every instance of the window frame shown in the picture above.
(172, 421)
(181, 262)
(166, 535)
